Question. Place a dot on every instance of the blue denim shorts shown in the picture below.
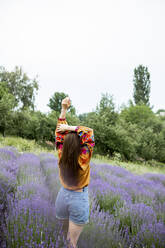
(73, 205)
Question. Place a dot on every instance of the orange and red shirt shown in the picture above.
(87, 144)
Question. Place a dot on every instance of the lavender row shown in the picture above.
(8, 183)
(31, 219)
(101, 231)
(49, 165)
(137, 204)
(126, 210)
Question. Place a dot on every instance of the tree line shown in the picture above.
(132, 133)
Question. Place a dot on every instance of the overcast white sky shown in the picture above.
(85, 48)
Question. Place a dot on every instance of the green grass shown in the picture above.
(137, 168)
(24, 145)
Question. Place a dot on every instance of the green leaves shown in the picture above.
(56, 100)
(141, 85)
(18, 84)
(7, 103)
(138, 114)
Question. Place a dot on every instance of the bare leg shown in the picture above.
(74, 233)
(65, 226)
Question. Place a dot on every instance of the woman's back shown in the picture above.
(74, 153)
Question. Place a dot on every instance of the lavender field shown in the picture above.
(126, 210)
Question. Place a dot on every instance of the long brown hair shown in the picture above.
(69, 165)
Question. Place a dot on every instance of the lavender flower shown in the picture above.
(126, 210)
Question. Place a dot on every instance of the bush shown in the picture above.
(147, 144)
(20, 143)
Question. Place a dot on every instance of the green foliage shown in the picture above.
(160, 146)
(34, 125)
(117, 157)
(37, 125)
(103, 122)
(134, 134)
(126, 140)
(138, 114)
(25, 145)
(72, 119)
(19, 143)
(161, 114)
(109, 203)
(106, 109)
(141, 85)
(7, 103)
(56, 100)
(20, 86)
(147, 146)
(149, 138)
(160, 111)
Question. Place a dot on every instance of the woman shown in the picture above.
(75, 146)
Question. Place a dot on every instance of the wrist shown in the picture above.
(63, 113)
(64, 110)
(72, 128)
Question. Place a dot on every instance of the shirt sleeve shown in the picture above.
(60, 136)
(86, 137)
(87, 145)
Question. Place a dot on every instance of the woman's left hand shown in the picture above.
(62, 128)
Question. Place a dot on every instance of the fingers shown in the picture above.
(69, 103)
(58, 128)
(66, 101)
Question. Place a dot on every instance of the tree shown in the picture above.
(56, 100)
(7, 103)
(141, 85)
(20, 86)
(141, 115)
(103, 123)
(106, 109)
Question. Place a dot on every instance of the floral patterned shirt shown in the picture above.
(87, 144)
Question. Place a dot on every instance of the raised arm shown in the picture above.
(85, 133)
(86, 136)
(62, 121)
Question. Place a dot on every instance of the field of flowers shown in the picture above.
(126, 210)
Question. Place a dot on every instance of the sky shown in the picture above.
(85, 48)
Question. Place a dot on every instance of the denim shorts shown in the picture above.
(73, 205)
